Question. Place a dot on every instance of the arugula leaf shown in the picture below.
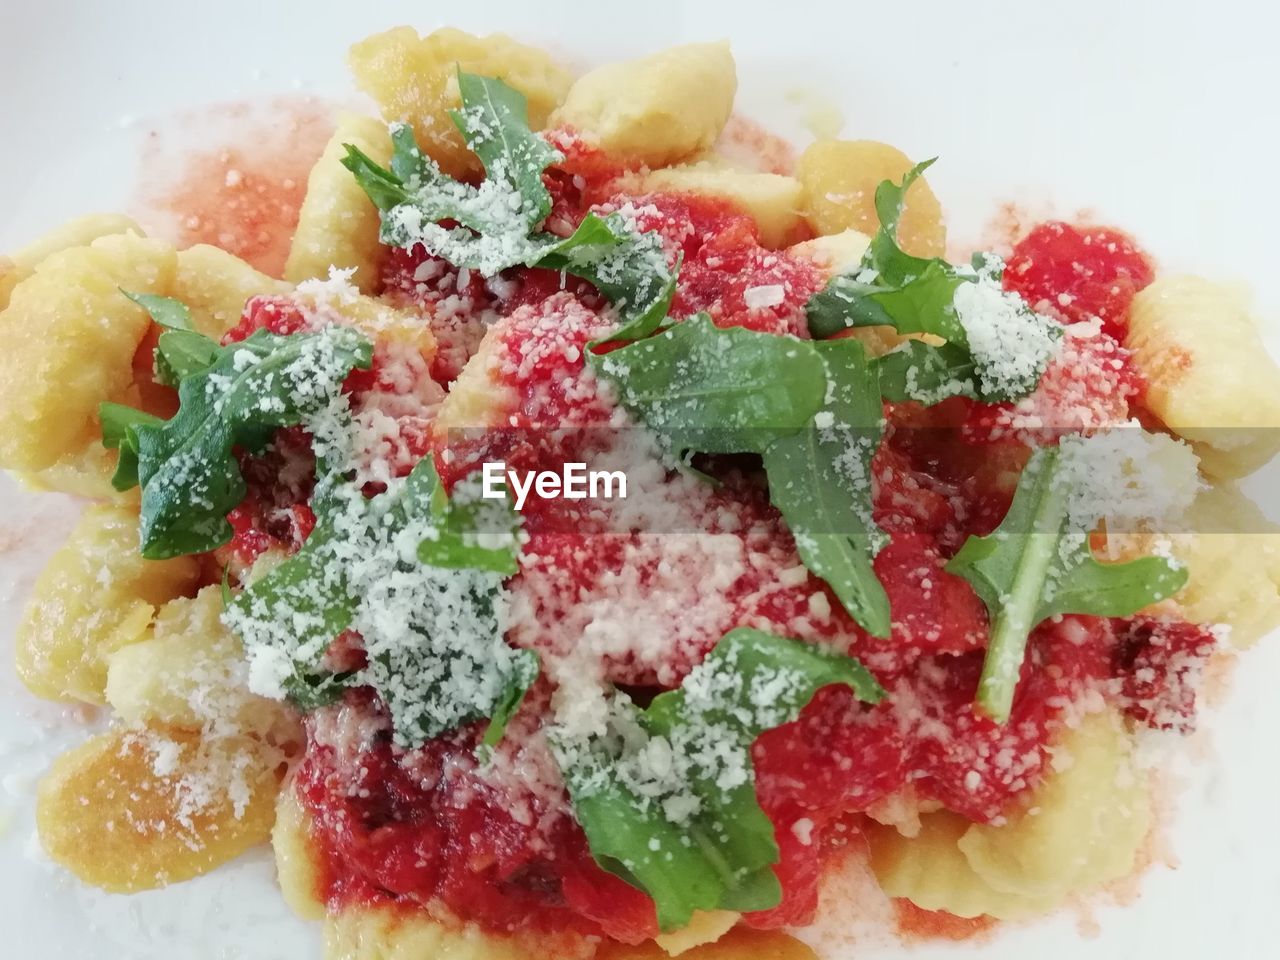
(717, 390)
(494, 121)
(190, 479)
(925, 374)
(432, 632)
(117, 419)
(1035, 566)
(181, 351)
(498, 221)
(914, 295)
(811, 409)
(181, 354)
(386, 188)
(468, 532)
(688, 829)
(820, 478)
(169, 313)
(523, 674)
(629, 267)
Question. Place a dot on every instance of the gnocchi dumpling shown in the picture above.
(70, 338)
(1085, 824)
(480, 397)
(1209, 376)
(656, 110)
(96, 595)
(839, 180)
(835, 253)
(1232, 555)
(1082, 829)
(705, 926)
(138, 808)
(773, 201)
(190, 672)
(296, 868)
(80, 232)
(930, 870)
(338, 224)
(368, 932)
(86, 473)
(738, 944)
(215, 286)
(414, 80)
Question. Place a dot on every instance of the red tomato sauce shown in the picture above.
(243, 194)
(1080, 273)
(426, 826)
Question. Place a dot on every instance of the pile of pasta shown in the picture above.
(191, 774)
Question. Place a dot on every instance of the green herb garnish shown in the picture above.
(498, 222)
(811, 409)
(1038, 564)
(997, 348)
(820, 478)
(419, 581)
(689, 830)
(189, 477)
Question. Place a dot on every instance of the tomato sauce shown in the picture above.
(426, 826)
(1080, 273)
(242, 194)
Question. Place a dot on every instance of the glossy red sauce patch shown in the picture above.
(234, 176)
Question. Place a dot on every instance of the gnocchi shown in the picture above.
(71, 337)
(135, 809)
(96, 595)
(80, 232)
(1210, 378)
(338, 224)
(189, 671)
(215, 285)
(657, 110)
(773, 201)
(296, 869)
(839, 180)
(1232, 554)
(1080, 830)
(413, 80)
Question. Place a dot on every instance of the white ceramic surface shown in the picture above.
(1160, 117)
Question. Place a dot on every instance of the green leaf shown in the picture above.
(689, 830)
(524, 673)
(494, 121)
(190, 479)
(181, 354)
(627, 266)
(117, 434)
(433, 634)
(895, 266)
(1035, 566)
(384, 188)
(496, 218)
(913, 295)
(469, 532)
(181, 350)
(820, 478)
(498, 221)
(718, 390)
(169, 313)
(925, 374)
(811, 409)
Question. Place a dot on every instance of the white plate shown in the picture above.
(1159, 117)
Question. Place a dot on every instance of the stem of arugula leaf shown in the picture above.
(1012, 626)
